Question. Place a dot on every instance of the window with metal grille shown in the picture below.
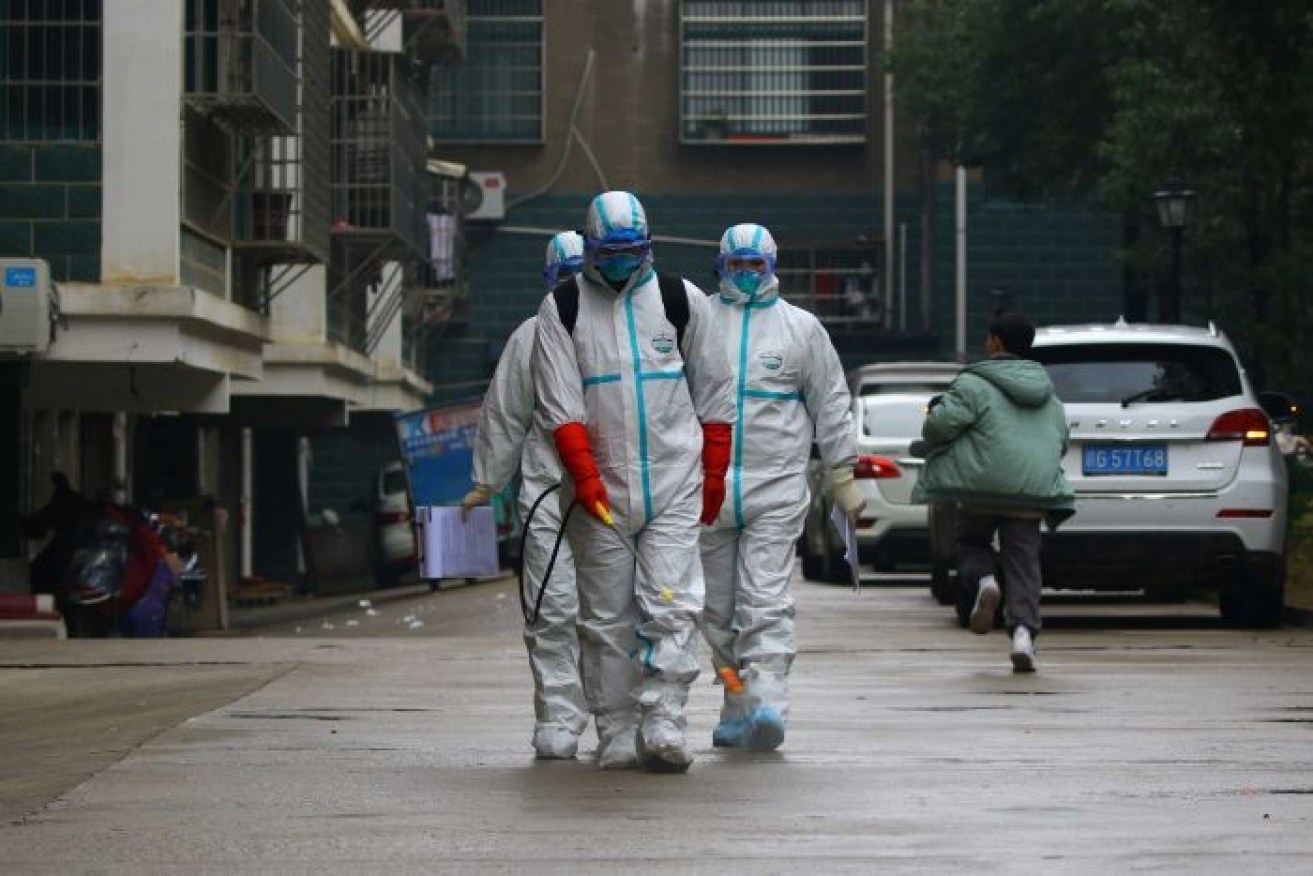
(773, 71)
(496, 95)
(50, 64)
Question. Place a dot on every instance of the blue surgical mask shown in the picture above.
(747, 282)
(619, 268)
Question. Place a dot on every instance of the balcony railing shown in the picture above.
(282, 201)
(838, 281)
(240, 60)
(378, 151)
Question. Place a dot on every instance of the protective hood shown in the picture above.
(617, 244)
(565, 257)
(747, 240)
(1024, 381)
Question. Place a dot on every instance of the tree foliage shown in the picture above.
(1105, 99)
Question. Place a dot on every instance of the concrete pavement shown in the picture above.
(1158, 741)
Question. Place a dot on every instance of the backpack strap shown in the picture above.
(567, 303)
(674, 298)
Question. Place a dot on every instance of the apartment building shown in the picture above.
(229, 200)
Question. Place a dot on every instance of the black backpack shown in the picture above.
(674, 298)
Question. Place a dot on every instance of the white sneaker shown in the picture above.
(987, 597)
(1023, 650)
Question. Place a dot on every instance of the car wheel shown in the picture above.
(942, 585)
(811, 564)
(834, 568)
(963, 601)
(1256, 599)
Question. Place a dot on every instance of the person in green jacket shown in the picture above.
(994, 443)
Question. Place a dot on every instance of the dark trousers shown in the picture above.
(1018, 558)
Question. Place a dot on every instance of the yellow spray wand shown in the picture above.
(604, 514)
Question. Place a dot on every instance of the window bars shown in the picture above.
(773, 71)
(496, 95)
(240, 63)
(282, 202)
(50, 70)
(378, 150)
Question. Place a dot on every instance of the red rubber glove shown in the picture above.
(577, 456)
(716, 441)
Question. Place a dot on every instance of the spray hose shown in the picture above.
(531, 606)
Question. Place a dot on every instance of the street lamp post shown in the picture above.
(1175, 202)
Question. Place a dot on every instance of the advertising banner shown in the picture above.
(437, 448)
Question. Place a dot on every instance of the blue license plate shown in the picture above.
(1124, 459)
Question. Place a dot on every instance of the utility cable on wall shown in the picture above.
(571, 134)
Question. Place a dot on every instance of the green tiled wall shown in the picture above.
(1056, 264)
(50, 206)
(1059, 264)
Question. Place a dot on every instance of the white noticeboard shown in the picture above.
(455, 548)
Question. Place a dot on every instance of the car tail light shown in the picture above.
(1249, 425)
(877, 467)
(392, 517)
(1246, 513)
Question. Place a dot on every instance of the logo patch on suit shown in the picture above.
(771, 360)
(663, 342)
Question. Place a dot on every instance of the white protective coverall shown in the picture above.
(641, 397)
(789, 387)
(511, 438)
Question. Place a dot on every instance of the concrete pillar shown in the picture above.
(246, 522)
(142, 136)
(299, 313)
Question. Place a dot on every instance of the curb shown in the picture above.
(247, 619)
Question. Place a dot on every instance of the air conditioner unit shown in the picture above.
(484, 196)
(24, 306)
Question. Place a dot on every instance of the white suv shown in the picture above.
(1179, 483)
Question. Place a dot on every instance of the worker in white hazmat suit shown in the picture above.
(511, 439)
(789, 390)
(635, 385)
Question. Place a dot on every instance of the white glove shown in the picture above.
(844, 492)
(475, 497)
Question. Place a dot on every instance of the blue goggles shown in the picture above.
(558, 272)
(622, 245)
(731, 263)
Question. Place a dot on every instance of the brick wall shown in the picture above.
(50, 206)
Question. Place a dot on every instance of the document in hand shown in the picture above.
(848, 533)
(455, 548)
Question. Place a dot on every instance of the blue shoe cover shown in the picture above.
(729, 733)
(765, 729)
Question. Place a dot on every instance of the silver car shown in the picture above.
(1179, 483)
(888, 408)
